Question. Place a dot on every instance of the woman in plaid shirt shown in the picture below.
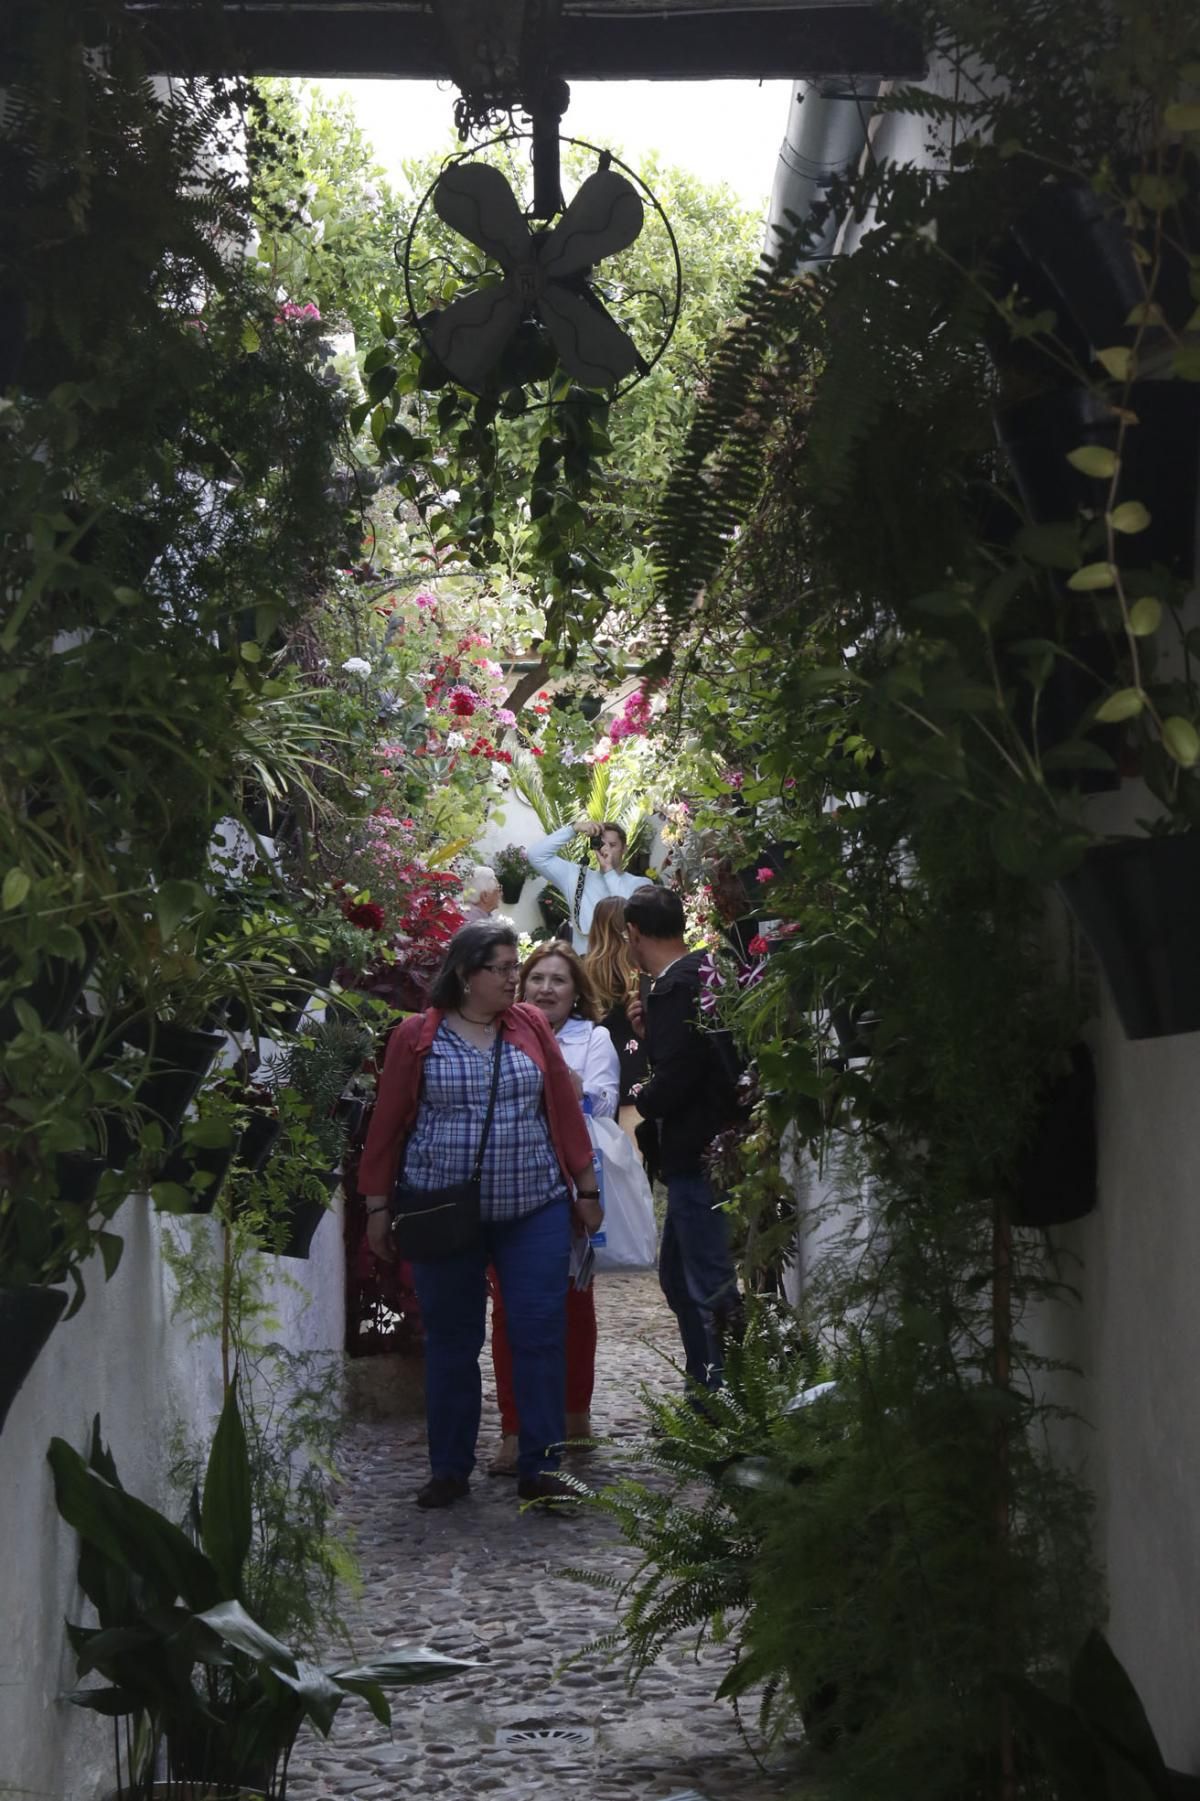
(537, 1174)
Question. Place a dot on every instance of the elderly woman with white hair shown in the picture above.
(482, 891)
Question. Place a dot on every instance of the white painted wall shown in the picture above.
(124, 1357)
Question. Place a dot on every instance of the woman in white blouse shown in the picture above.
(554, 980)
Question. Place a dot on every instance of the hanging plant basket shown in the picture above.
(53, 995)
(1137, 902)
(512, 888)
(181, 1057)
(305, 1215)
(1055, 1179)
(78, 1177)
(258, 1140)
(27, 1318)
(214, 1160)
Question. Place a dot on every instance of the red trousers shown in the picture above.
(581, 1353)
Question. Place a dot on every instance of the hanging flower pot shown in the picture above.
(258, 1140)
(511, 888)
(78, 1177)
(27, 1318)
(1080, 242)
(1055, 1177)
(181, 1057)
(305, 1214)
(53, 994)
(213, 1160)
(1137, 902)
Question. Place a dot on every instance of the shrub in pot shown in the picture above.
(195, 1679)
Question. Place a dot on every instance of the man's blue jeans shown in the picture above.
(696, 1273)
(531, 1256)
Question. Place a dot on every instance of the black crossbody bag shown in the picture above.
(429, 1224)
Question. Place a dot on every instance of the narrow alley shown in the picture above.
(484, 1580)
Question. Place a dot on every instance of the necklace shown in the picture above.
(489, 1025)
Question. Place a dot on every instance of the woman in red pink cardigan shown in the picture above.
(538, 1181)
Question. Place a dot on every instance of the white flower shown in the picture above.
(318, 230)
(451, 497)
(455, 741)
(356, 666)
(928, 231)
(370, 193)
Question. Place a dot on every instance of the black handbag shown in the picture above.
(429, 1224)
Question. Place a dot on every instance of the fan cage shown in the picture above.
(604, 156)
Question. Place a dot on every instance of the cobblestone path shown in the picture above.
(482, 1580)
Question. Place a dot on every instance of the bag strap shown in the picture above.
(477, 1172)
(579, 886)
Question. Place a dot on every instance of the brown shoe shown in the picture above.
(579, 1428)
(443, 1491)
(504, 1463)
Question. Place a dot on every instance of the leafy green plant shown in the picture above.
(187, 1667)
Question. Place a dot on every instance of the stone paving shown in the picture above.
(482, 1580)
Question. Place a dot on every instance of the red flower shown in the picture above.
(759, 946)
(462, 702)
(536, 750)
(367, 915)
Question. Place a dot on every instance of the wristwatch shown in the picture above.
(587, 1194)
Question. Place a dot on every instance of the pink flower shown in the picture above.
(426, 602)
(759, 946)
(632, 1048)
(764, 874)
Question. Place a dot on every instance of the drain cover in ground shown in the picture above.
(539, 1738)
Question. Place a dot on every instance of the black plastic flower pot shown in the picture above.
(53, 995)
(304, 1217)
(78, 1177)
(214, 1160)
(258, 1140)
(512, 888)
(350, 1112)
(27, 1318)
(181, 1057)
(1055, 1178)
(1137, 902)
(1160, 461)
(853, 1028)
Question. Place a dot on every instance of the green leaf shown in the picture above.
(320, 1694)
(232, 1624)
(16, 886)
(250, 339)
(1185, 363)
(250, 651)
(170, 1197)
(110, 1248)
(1055, 546)
(1145, 616)
(175, 901)
(1126, 703)
(1182, 115)
(226, 1522)
(1158, 192)
(1119, 361)
(1093, 459)
(1131, 516)
(1181, 740)
(129, 1534)
(1091, 576)
(406, 1665)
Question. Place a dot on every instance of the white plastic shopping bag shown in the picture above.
(630, 1235)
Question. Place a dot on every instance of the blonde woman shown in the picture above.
(555, 982)
(615, 982)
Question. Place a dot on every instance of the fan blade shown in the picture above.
(605, 215)
(475, 200)
(591, 345)
(469, 336)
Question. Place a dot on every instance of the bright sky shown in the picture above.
(719, 130)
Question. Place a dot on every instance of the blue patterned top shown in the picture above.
(520, 1170)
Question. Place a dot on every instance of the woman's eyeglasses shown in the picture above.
(508, 972)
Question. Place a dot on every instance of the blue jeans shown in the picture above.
(531, 1256)
(696, 1273)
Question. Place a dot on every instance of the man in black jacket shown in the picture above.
(690, 1098)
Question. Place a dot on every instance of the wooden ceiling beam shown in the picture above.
(379, 42)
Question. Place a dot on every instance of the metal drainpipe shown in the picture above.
(826, 133)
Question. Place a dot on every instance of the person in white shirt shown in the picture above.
(555, 981)
(583, 888)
